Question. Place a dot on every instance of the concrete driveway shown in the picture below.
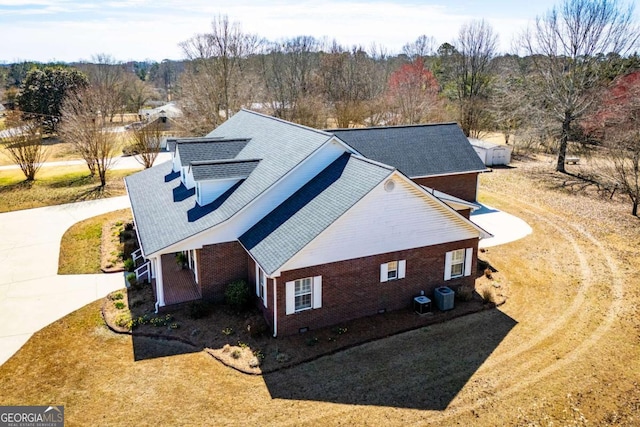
(504, 226)
(32, 294)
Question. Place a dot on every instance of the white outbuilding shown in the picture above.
(491, 154)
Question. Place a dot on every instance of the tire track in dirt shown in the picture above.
(528, 375)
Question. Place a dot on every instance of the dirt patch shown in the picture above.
(242, 341)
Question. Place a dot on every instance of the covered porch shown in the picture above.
(179, 284)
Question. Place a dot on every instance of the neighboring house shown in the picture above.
(438, 156)
(491, 154)
(322, 234)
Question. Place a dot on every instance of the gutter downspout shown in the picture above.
(275, 307)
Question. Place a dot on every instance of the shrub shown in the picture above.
(129, 265)
(464, 293)
(486, 294)
(124, 321)
(256, 325)
(117, 296)
(131, 278)
(237, 295)
(199, 309)
(128, 226)
(119, 305)
(181, 259)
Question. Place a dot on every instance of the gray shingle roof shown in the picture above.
(210, 149)
(224, 169)
(304, 215)
(172, 142)
(164, 210)
(417, 150)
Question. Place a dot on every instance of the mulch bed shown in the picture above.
(240, 340)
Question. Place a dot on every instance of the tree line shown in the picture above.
(550, 92)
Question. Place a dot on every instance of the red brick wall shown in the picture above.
(218, 265)
(462, 186)
(352, 289)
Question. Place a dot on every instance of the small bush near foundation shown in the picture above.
(486, 294)
(199, 309)
(237, 295)
(131, 278)
(256, 325)
(128, 226)
(117, 296)
(129, 265)
(464, 293)
(119, 305)
(124, 321)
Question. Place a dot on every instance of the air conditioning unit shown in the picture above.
(444, 297)
(422, 305)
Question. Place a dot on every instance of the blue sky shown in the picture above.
(71, 30)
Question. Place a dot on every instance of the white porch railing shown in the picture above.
(144, 271)
(136, 255)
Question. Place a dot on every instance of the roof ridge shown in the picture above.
(210, 140)
(320, 131)
(371, 161)
(221, 162)
(393, 126)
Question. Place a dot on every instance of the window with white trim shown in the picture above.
(393, 270)
(303, 292)
(457, 263)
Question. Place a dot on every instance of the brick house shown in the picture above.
(322, 233)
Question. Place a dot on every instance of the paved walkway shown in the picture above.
(122, 162)
(32, 295)
(504, 227)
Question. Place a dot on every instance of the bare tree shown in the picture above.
(146, 141)
(23, 144)
(108, 78)
(472, 74)
(288, 69)
(85, 127)
(422, 47)
(217, 63)
(619, 114)
(348, 83)
(569, 47)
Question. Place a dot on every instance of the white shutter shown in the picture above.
(468, 261)
(402, 267)
(264, 291)
(290, 297)
(317, 292)
(447, 266)
(384, 272)
(257, 280)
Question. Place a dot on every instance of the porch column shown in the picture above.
(159, 284)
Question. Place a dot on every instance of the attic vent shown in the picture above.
(389, 185)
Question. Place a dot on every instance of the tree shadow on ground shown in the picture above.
(421, 369)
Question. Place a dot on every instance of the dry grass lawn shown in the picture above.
(81, 245)
(55, 186)
(563, 350)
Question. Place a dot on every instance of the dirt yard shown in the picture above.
(563, 350)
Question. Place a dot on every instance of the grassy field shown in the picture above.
(56, 185)
(563, 350)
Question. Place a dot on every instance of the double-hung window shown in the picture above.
(393, 270)
(303, 292)
(458, 263)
